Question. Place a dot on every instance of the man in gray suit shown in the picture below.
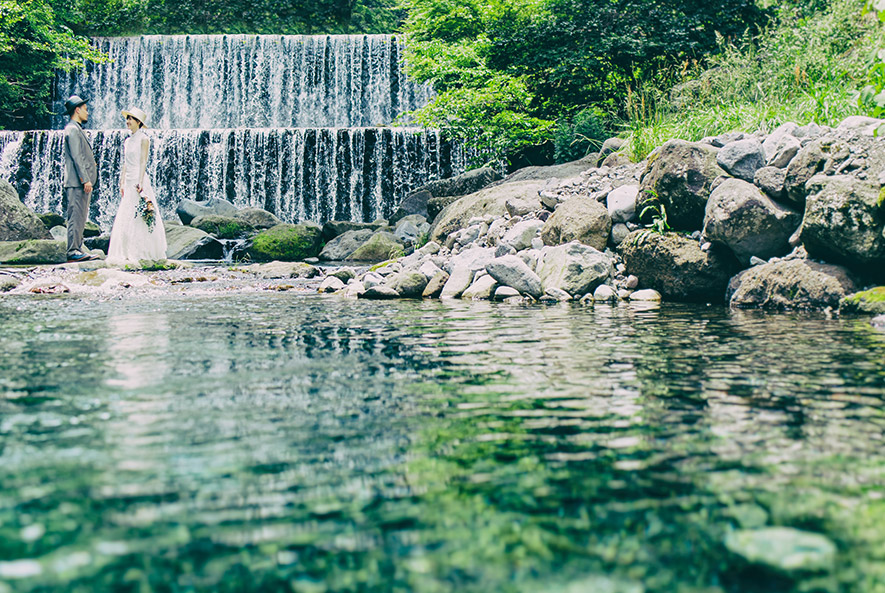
(81, 175)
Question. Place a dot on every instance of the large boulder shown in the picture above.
(679, 176)
(287, 242)
(414, 203)
(381, 246)
(408, 284)
(17, 222)
(520, 235)
(463, 184)
(342, 246)
(845, 223)
(188, 210)
(511, 271)
(790, 284)
(488, 201)
(677, 267)
(561, 171)
(33, 251)
(805, 165)
(578, 219)
(574, 268)
(257, 218)
(748, 222)
(184, 242)
(742, 158)
(222, 227)
(335, 228)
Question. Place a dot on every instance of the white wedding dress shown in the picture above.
(131, 239)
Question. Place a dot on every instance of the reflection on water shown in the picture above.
(299, 443)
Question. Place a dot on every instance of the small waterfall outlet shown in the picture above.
(297, 125)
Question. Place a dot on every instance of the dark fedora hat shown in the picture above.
(72, 103)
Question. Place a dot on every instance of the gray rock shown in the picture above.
(482, 288)
(280, 269)
(489, 201)
(222, 227)
(742, 158)
(414, 203)
(611, 145)
(459, 280)
(619, 233)
(381, 246)
(561, 171)
(461, 185)
(878, 321)
(748, 222)
(184, 242)
(771, 181)
(340, 248)
(783, 549)
(604, 294)
(429, 269)
(257, 218)
(631, 282)
(723, 139)
(574, 268)
(379, 292)
(805, 165)
(616, 159)
(677, 267)
(845, 223)
(33, 251)
(578, 219)
(557, 294)
(867, 126)
(17, 222)
(331, 284)
(435, 285)
(408, 284)
(520, 236)
(372, 279)
(344, 274)
(790, 284)
(679, 176)
(621, 203)
(646, 295)
(782, 136)
(59, 233)
(407, 232)
(336, 228)
(510, 270)
(520, 207)
(870, 302)
(505, 292)
(188, 210)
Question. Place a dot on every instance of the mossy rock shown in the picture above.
(287, 242)
(51, 219)
(222, 227)
(33, 251)
(380, 246)
(868, 301)
(90, 229)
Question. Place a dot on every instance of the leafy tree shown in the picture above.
(33, 44)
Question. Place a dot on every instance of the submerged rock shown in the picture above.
(790, 284)
(783, 549)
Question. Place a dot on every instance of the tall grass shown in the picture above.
(803, 69)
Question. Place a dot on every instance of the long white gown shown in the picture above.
(131, 239)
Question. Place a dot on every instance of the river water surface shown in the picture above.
(293, 442)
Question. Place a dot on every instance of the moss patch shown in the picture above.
(867, 301)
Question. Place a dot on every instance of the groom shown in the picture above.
(81, 175)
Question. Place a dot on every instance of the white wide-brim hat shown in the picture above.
(137, 114)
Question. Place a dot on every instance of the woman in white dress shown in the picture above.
(138, 232)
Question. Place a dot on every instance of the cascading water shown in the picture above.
(275, 122)
(314, 174)
(247, 81)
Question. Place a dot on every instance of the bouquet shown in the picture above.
(146, 211)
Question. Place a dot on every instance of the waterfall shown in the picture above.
(298, 174)
(246, 81)
(293, 124)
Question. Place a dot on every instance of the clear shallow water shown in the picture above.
(280, 442)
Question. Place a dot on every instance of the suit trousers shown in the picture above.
(75, 216)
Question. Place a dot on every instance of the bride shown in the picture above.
(138, 232)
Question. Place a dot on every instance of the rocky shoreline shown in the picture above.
(794, 219)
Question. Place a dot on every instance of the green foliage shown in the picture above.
(656, 211)
(804, 68)
(33, 44)
(871, 98)
(506, 70)
(122, 17)
(577, 137)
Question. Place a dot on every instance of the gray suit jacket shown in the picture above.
(80, 164)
